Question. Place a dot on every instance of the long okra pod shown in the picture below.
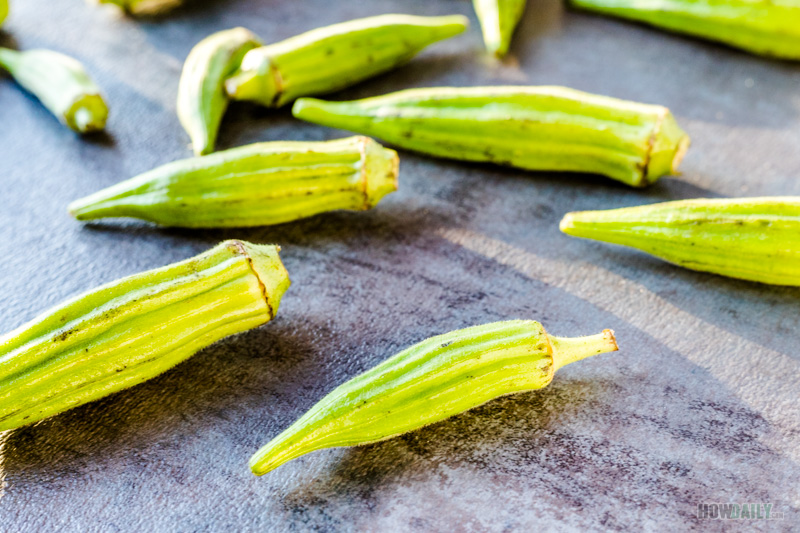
(431, 381)
(131, 330)
(201, 96)
(755, 239)
(144, 7)
(535, 128)
(770, 28)
(332, 58)
(499, 19)
(256, 185)
(61, 84)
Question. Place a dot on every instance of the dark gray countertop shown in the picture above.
(700, 405)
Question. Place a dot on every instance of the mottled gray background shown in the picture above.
(700, 404)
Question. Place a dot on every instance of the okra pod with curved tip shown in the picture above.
(61, 84)
(428, 382)
(131, 330)
(201, 96)
(534, 128)
(144, 7)
(256, 185)
(756, 239)
(499, 19)
(332, 58)
(770, 28)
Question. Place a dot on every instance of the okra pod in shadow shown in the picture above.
(755, 239)
(256, 185)
(499, 19)
(431, 381)
(534, 128)
(133, 329)
(334, 57)
(61, 84)
(770, 28)
(144, 8)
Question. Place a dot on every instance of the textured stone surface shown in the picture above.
(698, 406)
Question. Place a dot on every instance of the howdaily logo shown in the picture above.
(736, 511)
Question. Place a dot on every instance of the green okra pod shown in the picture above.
(499, 19)
(131, 330)
(61, 84)
(3, 10)
(770, 27)
(256, 185)
(332, 58)
(201, 96)
(144, 7)
(431, 381)
(756, 239)
(534, 128)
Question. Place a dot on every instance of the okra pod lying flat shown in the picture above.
(431, 381)
(144, 7)
(201, 96)
(756, 239)
(255, 185)
(534, 128)
(61, 84)
(498, 19)
(770, 28)
(133, 329)
(332, 58)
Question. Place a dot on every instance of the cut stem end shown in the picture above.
(569, 350)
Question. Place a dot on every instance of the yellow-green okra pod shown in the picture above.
(770, 28)
(256, 185)
(534, 128)
(756, 239)
(61, 84)
(201, 96)
(499, 19)
(133, 329)
(431, 381)
(332, 58)
(3, 10)
(144, 7)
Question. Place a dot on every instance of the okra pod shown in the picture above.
(332, 58)
(534, 128)
(144, 7)
(201, 96)
(770, 28)
(61, 84)
(256, 185)
(131, 330)
(3, 10)
(756, 239)
(431, 381)
(499, 19)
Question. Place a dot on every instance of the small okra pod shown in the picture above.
(144, 7)
(61, 84)
(756, 239)
(499, 19)
(256, 185)
(201, 96)
(431, 381)
(133, 329)
(534, 128)
(332, 58)
(770, 28)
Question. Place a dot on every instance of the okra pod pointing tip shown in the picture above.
(134, 329)
(499, 19)
(534, 128)
(334, 57)
(756, 239)
(61, 84)
(433, 380)
(256, 185)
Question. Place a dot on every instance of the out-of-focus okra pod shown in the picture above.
(332, 58)
(201, 96)
(61, 84)
(3, 10)
(535, 128)
(756, 239)
(255, 185)
(133, 329)
(144, 7)
(431, 381)
(770, 27)
(499, 19)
